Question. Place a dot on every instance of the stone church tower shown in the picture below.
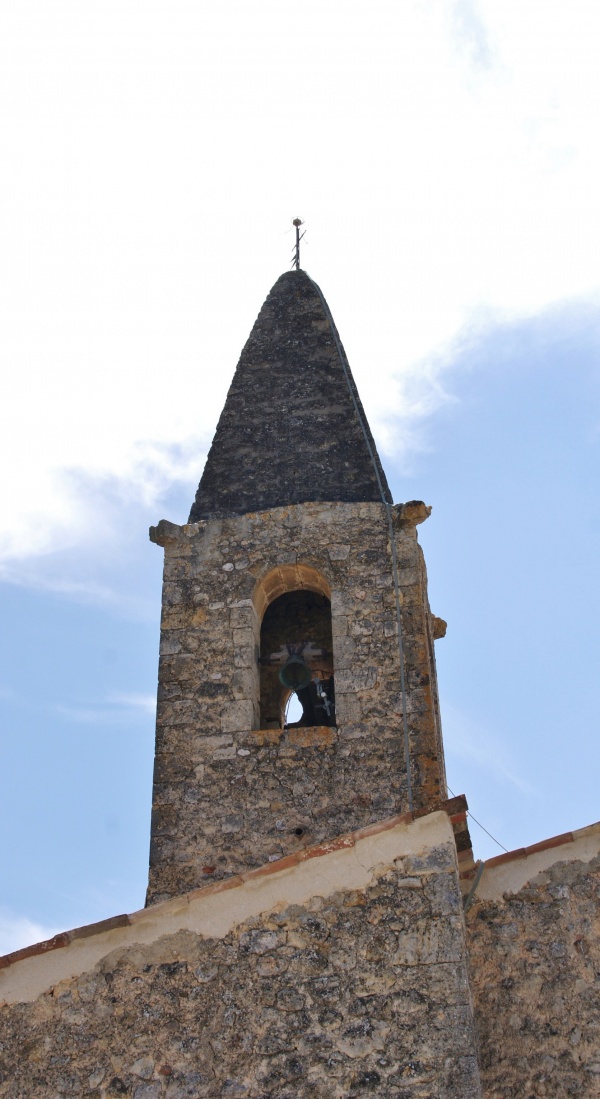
(294, 563)
(315, 925)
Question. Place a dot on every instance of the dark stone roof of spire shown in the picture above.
(289, 431)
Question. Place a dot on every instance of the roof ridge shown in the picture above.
(236, 881)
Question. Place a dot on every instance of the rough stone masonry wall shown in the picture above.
(362, 992)
(535, 969)
(229, 796)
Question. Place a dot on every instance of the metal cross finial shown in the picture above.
(297, 222)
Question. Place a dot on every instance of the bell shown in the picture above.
(295, 674)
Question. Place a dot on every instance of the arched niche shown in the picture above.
(287, 578)
(294, 606)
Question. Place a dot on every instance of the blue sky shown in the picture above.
(445, 157)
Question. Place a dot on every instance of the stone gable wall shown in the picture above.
(360, 992)
(228, 796)
(535, 965)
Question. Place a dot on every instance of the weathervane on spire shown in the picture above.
(297, 222)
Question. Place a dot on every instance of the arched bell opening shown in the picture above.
(296, 659)
(292, 709)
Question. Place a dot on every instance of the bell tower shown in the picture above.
(296, 574)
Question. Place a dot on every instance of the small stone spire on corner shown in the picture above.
(297, 222)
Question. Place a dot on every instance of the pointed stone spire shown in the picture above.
(289, 432)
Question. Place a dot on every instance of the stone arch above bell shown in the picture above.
(285, 578)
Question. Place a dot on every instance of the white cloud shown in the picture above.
(445, 158)
(86, 592)
(19, 931)
(146, 703)
(115, 711)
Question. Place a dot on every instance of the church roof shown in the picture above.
(290, 431)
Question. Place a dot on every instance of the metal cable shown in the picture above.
(469, 814)
(388, 511)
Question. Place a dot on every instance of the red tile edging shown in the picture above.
(524, 852)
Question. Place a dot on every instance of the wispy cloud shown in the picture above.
(70, 498)
(82, 591)
(116, 709)
(469, 33)
(19, 931)
(469, 740)
(87, 715)
(145, 703)
(88, 575)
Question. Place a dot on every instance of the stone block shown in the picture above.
(355, 679)
(339, 552)
(244, 648)
(224, 753)
(237, 716)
